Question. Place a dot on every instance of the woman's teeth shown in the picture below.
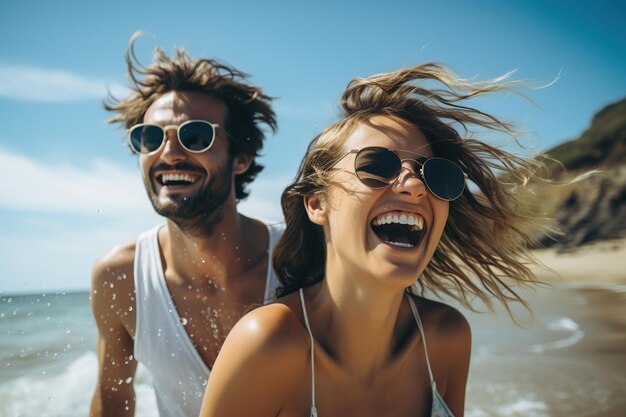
(411, 219)
(399, 228)
(402, 245)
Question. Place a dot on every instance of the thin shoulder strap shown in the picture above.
(421, 327)
(308, 328)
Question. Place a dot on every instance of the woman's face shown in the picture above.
(390, 233)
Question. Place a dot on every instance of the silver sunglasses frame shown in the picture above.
(169, 127)
(419, 174)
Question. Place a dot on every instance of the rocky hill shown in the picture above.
(594, 208)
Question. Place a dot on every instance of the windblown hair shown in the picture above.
(248, 106)
(483, 250)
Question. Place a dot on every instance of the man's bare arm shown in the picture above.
(112, 300)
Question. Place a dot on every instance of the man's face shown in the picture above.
(188, 188)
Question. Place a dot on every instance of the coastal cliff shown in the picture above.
(592, 209)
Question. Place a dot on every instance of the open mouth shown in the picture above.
(171, 180)
(399, 228)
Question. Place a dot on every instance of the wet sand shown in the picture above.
(601, 262)
(570, 359)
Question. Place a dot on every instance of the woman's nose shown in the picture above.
(410, 183)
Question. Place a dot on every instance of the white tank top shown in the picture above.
(162, 344)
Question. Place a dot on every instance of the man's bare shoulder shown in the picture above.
(119, 258)
(112, 285)
(114, 269)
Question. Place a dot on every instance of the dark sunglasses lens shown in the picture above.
(197, 136)
(146, 139)
(444, 178)
(376, 167)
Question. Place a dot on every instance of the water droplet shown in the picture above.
(173, 354)
(129, 379)
(99, 211)
(183, 321)
(130, 308)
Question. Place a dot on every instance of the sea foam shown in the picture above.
(68, 393)
(565, 325)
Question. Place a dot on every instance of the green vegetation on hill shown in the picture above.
(594, 208)
(602, 145)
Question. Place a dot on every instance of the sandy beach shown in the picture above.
(598, 262)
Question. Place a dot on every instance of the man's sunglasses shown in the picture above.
(194, 135)
(378, 167)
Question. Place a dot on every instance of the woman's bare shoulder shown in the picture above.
(273, 325)
(271, 332)
(267, 344)
(442, 319)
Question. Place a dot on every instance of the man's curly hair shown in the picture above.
(248, 107)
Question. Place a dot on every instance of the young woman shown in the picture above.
(379, 213)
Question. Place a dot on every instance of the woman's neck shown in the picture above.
(359, 315)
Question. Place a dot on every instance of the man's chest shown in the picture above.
(209, 313)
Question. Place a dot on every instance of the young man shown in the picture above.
(169, 299)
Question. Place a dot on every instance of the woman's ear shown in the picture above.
(241, 163)
(317, 209)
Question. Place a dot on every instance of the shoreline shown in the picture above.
(598, 262)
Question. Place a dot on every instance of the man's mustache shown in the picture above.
(181, 166)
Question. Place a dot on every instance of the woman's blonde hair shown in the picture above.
(483, 249)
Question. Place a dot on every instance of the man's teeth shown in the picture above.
(411, 219)
(177, 178)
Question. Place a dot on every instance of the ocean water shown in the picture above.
(568, 361)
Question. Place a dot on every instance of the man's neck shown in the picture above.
(218, 258)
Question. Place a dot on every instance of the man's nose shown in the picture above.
(172, 149)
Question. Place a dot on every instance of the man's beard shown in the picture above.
(198, 214)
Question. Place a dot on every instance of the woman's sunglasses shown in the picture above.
(378, 167)
(194, 135)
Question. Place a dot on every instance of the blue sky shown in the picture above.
(72, 190)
